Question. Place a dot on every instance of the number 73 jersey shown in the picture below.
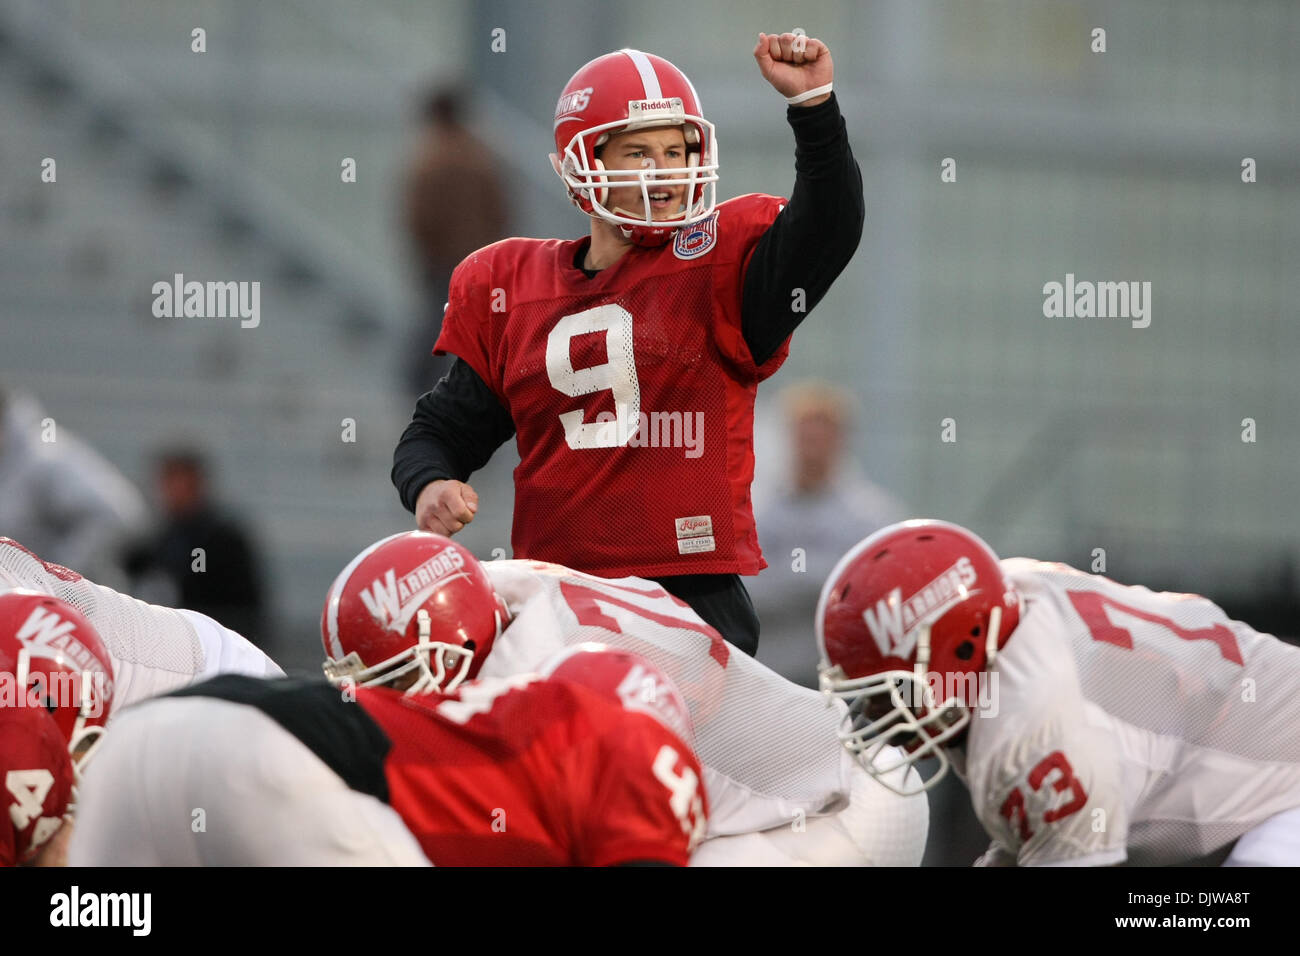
(1125, 724)
(632, 394)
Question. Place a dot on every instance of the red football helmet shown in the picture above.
(627, 679)
(37, 773)
(57, 662)
(630, 90)
(414, 606)
(906, 623)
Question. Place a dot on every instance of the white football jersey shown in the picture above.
(769, 747)
(1131, 725)
(154, 649)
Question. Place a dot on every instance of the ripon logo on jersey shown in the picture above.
(691, 242)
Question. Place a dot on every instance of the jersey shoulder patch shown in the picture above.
(691, 242)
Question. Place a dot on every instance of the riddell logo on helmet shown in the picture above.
(642, 112)
(393, 601)
(895, 621)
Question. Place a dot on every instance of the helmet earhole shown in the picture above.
(965, 650)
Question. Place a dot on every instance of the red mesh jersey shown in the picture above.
(632, 394)
(526, 772)
(35, 780)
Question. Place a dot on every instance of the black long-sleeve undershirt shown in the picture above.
(454, 431)
(813, 239)
(458, 425)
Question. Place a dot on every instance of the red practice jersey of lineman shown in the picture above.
(36, 776)
(632, 394)
(524, 771)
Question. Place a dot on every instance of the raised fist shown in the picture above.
(794, 63)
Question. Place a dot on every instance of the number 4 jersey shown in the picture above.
(36, 774)
(1123, 724)
(632, 394)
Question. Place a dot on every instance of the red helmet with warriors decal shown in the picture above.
(906, 623)
(624, 91)
(415, 611)
(54, 659)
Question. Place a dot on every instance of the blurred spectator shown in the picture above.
(225, 581)
(807, 519)
(59, 497)
(455, 203)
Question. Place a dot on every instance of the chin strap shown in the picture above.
(648, 237)
(809, 94)
(991, 638)
(920, 670)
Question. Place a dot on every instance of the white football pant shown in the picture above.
(199, 781)
(1275, 842)
(877, 828)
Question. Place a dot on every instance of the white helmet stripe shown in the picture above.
(649, 79)
(699, 107)
(336, 593)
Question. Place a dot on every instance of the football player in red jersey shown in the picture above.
(418, 611)
(589, 764)
(37, 776)
(592, 766)
(56, 694)
(626, 362)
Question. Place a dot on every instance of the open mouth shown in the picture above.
(664, 204)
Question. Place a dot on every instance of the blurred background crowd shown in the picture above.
(128, 441)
